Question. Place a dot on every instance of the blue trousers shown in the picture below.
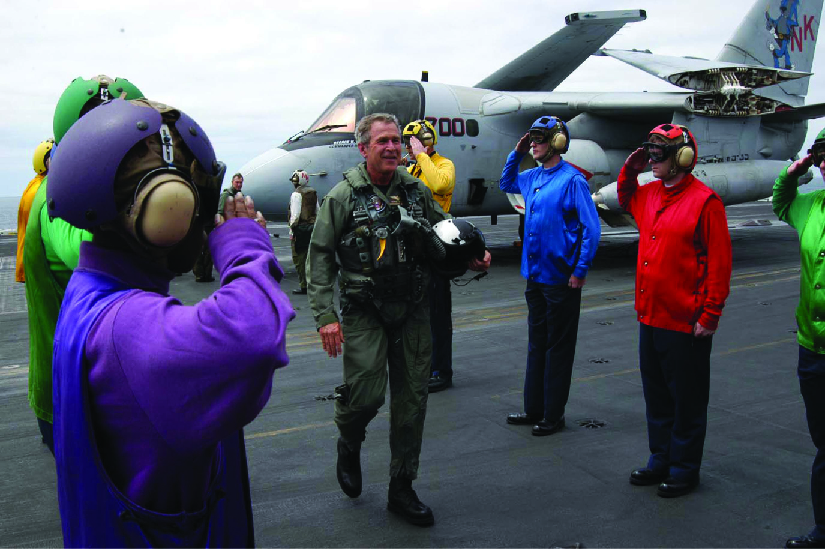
(553, 327)
(441, 326)
(811, 371)
(675, 369)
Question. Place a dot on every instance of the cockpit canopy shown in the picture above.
(403, 98)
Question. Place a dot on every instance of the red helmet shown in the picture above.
(680, 141)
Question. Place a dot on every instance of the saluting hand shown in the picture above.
(637, 161)
(523, 145)
(416, 146)
(332, 337)
(801, 166)
(240, 206)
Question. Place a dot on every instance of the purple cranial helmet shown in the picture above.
(84, 176)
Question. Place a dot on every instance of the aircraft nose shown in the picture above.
(266, 180)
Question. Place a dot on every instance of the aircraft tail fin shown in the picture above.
(781, 34)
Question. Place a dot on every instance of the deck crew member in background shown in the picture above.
(806, 214)
(40, 162)
(303, 208)
(233, 189)
(376, 223)
(438, 174)
(683, 270)
(53, 247)
(561, 234)
(203, 265)
(151, 396)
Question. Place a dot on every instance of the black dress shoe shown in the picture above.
(438, 383)
(804, 541)
(348, 468)
(402, 499)
(544, 427)
(647, 477)
(520, 418)
(299, 291)
(673, 488)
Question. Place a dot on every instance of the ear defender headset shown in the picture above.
(680, 143)
(423, 130)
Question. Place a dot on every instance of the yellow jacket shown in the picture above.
(438, 174)
(22, 221)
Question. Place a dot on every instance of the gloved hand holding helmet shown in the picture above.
(462, 242)
(140, 172)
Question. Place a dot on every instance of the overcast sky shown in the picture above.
(252, 73)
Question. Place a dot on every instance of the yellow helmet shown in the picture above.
(41, 153)
(423, 130)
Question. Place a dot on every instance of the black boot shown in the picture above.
(348, 468)
(402, 499)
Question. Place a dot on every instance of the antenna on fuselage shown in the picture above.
(425, 76)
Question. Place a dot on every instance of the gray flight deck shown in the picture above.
(491, 484)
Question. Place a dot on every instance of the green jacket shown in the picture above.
(806, 214)
(50, 255)
(333, 219)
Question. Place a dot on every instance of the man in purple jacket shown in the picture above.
(150, 400)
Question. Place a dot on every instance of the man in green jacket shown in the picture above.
(53, 248)
(377, 222)
(806, 214)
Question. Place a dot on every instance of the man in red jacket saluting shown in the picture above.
(682, 281)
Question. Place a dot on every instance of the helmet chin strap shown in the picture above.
(550, 153)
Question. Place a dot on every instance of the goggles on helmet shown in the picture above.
(539, 136)
(818, 153)
(657, 152)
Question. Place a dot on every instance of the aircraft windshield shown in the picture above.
(339, 117)
(401, 98)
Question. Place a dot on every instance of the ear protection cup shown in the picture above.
(684, 157)
(559, 142)
(163, 211)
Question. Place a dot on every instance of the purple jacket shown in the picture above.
(167, 382)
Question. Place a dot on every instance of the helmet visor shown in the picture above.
(657, 152)
(538, 136)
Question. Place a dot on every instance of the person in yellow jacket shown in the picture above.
(40, 163)
(438, 174)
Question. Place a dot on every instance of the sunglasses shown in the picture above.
(539, 137)
(657, 152)
(818, 153)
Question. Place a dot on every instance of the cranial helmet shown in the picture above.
(680, 144)
(555, 132)
(83, 95)
(41, 153)
(299, 178)
(423, 130)
(462, 242)
(140, 169)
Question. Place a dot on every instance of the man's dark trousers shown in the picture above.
(811, 373)
(553, 327)
(675, 369)
(441, 326)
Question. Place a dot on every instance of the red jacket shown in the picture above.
(684, 262)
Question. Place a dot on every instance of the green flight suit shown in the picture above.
(50, 255)
(386, 326)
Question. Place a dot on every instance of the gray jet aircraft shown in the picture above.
(746, 110)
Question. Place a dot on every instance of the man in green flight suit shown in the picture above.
(378, 221)
(52, 248)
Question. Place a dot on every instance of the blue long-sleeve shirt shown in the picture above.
(561, 226)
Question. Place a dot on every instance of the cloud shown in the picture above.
(252, 73)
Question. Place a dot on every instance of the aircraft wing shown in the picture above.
(797, 114)
(546, 65)
(702, 74)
